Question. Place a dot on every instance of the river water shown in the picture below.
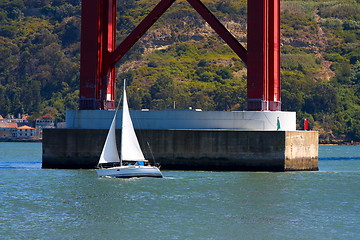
(40, 203)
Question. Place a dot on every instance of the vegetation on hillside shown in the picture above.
(182, 60)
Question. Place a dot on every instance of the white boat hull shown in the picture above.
(129, 171)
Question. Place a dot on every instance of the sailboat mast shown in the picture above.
(124, 105)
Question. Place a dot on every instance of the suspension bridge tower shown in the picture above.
(264, 138)
(99, 52)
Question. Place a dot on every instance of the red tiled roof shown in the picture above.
(25, 127)
(46, 116)
(8, 125)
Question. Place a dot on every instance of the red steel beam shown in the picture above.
(97, 76)
(219, 29)
(107, 74)
(274, 55)
(140, 30)
(89, 60)
(257, 44)
(263, 85)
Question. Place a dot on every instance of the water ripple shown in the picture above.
(20, 165)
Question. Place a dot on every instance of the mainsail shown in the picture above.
(130, 148)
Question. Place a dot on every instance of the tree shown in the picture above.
(323, 98)
(162, 92)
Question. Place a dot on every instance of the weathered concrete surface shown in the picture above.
(229, 150)
(301, 150)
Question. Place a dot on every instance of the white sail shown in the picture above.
(130, 151)
(130, 148)
(109, 153)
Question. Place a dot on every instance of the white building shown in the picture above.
(25, 132)
(46, 121)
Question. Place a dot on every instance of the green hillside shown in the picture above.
(182, 60)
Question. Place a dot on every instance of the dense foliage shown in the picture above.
(182, 62)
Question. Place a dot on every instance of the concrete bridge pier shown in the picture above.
(190, 140)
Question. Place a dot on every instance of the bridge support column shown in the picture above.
(263, 55)
(97, 72)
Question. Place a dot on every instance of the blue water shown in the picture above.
(75, 204)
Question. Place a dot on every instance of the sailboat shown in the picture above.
(131, 162)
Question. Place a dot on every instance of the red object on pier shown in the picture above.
(306, 124)
(99, 53)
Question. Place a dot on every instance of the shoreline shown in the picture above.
(339, 142)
